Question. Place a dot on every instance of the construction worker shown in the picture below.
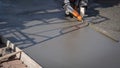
(75, 8)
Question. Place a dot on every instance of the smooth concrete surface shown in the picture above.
(40, 28)
(83, 48)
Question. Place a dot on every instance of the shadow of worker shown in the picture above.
(93, 4)
(107, 3)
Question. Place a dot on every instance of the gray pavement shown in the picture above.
(110, 10)
(40, 28)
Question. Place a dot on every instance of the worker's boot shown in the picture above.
(83, 7)
(82, 11)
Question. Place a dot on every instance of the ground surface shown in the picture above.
(40, 28)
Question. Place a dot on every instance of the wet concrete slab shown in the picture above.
(41, 33)
(83, 48)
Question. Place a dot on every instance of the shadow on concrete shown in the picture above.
(107, 3)
(93, 12)
(14, 15)
(93, 4)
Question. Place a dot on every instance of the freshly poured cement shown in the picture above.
(40, 28)
(83, 48)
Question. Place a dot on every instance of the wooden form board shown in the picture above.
(22, 56)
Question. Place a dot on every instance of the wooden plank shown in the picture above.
(24, 57)
(2, 50)
(27, 60)
(8, 55)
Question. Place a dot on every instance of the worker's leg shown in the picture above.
(83, 7)
(82, 11)
(67, 12)
(79, 5)
(70, 10)
(66, 2)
